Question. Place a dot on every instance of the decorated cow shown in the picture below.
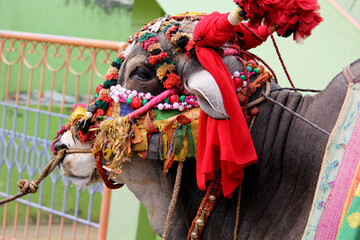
(172, 120)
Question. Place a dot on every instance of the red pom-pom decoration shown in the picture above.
(174, 98)
(262, 11)
(154, 59)
(110, 76)
(300, 18)
(296, 17)
(135, 102)
(238, 82)
(99, 87)
(172, 80)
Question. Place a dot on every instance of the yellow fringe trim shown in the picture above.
(164, 69)
(113, 140)
(112, 70)
(154, 46)
(78, 113)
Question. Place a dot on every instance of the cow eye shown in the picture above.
(140, 74)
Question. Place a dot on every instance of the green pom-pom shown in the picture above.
(256, 71)
(164, 60)
(99, 118)
(119, 60)
(243, 77)
(170, 25)
(166, 100)
(108, 83)
(100, 104)
(146, 36)
(182, 98)
(128, 101)
(96, 96)
(144, 101)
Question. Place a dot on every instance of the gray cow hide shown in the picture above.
(277, 191)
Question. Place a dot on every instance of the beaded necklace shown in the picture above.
(136, 100)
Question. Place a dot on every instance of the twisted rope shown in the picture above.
(173, 200)
(237, 213)
(297, 115)
(262, 98)
(25, 186)
(296, 89)
(281, 60)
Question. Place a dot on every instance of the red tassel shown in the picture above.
(296, 17)
(262, 11)
(301, 17)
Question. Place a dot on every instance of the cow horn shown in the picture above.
(203, 85)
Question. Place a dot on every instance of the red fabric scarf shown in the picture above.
(222, 144)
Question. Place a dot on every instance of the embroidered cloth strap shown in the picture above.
(330, 218)
(222, 144)
(334, 160)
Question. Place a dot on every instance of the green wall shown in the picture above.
(85, 19)
(66, 17)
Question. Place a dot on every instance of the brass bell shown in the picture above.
(200, 222)
(195, 233)
(212, 197)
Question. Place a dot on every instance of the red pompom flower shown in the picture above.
(154, 59)
(296, 17)
(300, 18)
(172, 80)
(110, 76)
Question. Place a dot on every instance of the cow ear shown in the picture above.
(203, 85)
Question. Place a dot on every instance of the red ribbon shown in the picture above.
(222, 144)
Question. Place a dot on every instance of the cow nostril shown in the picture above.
(58, 147)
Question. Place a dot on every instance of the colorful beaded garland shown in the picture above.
(136, 100)
(241, 80)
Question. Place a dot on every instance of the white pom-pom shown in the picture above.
(112, 88)
(181, 108)
(148, 96)
(160, 106)
(176, 105)
(128, 91)
(116, 99)
(89, 114)
(134, 92)
(236, 74)
(244, 84)
(141, 94)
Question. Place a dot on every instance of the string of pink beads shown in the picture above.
(136, 100)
